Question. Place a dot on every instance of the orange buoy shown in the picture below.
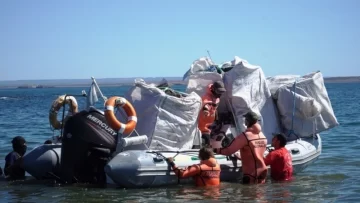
(116, 102)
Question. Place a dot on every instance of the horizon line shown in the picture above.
(90, 78)
(135, 77)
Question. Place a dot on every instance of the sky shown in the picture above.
(69, 39)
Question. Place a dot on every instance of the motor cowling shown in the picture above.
(87, 144)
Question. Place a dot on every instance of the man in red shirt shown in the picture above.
(280, 160)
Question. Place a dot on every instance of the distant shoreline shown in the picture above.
(354, 79)
(114, 82)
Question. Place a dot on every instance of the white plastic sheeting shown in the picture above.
(247, 90)
(200, 75)
(313, 111)
(199, 66)
(198, 83)
(169, 122)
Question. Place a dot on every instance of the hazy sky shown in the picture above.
(44, 39)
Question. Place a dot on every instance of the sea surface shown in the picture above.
(335, 177)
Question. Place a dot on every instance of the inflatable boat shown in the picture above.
(93, 148)
(87, 154)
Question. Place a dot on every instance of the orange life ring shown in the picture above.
(115, 102)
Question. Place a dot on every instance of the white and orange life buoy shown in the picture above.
(55, 107)
(115, 102)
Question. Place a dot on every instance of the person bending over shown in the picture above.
(252, 145)
(210, 102)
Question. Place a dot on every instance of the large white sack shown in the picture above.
(312, 106)
(199, 82)
(275, 82)
(169, 122)
(247, 90)
(200, 65)
(200, 75)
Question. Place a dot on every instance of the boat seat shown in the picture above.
(103, 152)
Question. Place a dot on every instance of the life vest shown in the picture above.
(209, 105)
(252, 145)
(207, 173)
(254, 170)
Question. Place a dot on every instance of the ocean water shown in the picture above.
(333, 178)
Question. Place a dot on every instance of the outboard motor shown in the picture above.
(87, 144)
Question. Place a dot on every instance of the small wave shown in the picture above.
(351, 123)
(8, 98)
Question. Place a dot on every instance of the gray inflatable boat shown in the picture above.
(146, 168)
(88, 149)
(43, 162)
(134, 169)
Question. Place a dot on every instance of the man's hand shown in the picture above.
(270, 149)
(170, 159)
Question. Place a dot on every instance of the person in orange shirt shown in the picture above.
(252, 145)
(207, 173)
(280, 160)
(210, 102)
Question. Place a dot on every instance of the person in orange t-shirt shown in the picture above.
(210, 102)
(280, 160)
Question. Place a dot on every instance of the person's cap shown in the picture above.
(18, 140)
(251, 116)
(219, 86)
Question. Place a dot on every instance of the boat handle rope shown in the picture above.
(161, 155)
(291, 131)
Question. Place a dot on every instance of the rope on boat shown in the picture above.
(158, 153)
(291, 131)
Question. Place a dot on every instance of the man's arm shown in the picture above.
(181, 173)
(9, 160)
(12, 162)
(270, 158)
(188, 172)
(235, 145)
